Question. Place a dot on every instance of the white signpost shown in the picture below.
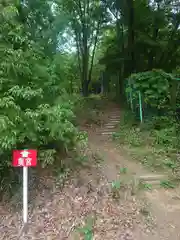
(25, 159)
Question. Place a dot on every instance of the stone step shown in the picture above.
(115, 115)
(152, 177)
(107, 133)
(153, 183)
(115, 111)
(109, 126)
(153, 180)
(114, 121)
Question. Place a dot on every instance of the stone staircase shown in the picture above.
(110, 128)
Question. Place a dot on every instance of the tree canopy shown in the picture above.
(51, 50)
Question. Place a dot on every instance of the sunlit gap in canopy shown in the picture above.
(66, 43)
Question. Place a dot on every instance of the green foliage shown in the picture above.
(166, 137)
(141, 36)
(116, 186)
(47, 157)
(31, 114)
(65, 66)
(87, 230)
(145, 186)
(39, 86)
(167, 184)
(129, 133)
(171, 164)
(154, 143)
(154, 86)
(123, 170)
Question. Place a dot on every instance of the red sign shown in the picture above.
(24, 158)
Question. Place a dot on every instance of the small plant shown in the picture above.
(167, 184)
(115, 135)
(81, 159)
(123, 170)
(170, 164)
(116, 185)
(87, 230)
(146, 186)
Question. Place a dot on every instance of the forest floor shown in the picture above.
(102, 198)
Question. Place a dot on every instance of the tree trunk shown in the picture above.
(122, 94)
(85, 62)
(106, 82)
(85, 90)
(85, 82)
(121, 73)
(131, 33)
(94, 50)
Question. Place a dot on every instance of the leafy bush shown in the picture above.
(166, 137)
(31, 116)
(155, 87)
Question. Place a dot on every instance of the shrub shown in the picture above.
(30, 114)
(155, 87)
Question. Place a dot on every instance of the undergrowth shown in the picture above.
(57, 137)
(153, 143)
(39, 103)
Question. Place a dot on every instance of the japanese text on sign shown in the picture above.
(24, 158)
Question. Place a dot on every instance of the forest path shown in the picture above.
(86, 206)
(163, 204)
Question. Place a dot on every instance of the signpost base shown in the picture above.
(23, 230)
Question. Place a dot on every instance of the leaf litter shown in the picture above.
(61, 212)
(58, 212)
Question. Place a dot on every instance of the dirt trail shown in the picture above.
(60, 212)
(164, 204)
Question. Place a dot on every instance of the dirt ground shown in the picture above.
(88, 207)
